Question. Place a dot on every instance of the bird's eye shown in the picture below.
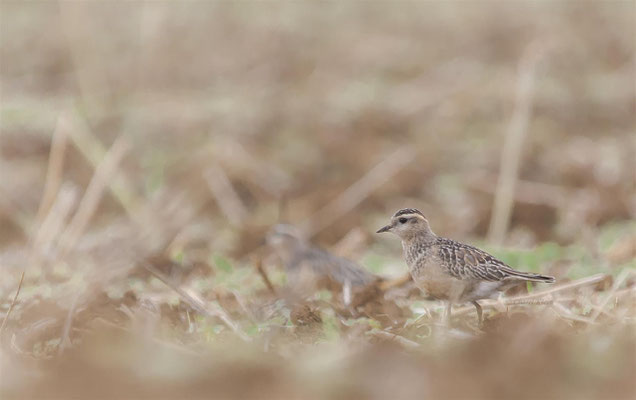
(403, 220)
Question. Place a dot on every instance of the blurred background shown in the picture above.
(176, 134)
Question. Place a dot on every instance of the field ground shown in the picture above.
(147, 147)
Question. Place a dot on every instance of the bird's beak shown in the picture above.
(385, 229)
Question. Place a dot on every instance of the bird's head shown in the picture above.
(284, 237)
(408, 223)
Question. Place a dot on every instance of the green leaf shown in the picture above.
(222, 263)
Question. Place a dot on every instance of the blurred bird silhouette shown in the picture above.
(310, 267)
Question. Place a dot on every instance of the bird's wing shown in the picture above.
(348, 271)
(338, 269)
(343, 270)
(467, 262)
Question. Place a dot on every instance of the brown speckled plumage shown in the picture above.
(466, 262)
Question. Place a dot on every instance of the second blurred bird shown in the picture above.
(309, 267)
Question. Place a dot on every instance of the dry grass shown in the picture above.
(146, 147)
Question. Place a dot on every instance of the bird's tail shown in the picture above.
(529, 276)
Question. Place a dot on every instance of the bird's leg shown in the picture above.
(479, 312)
(447, 314)
(500, 305)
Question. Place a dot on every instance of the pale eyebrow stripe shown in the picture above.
(408, 216)
(406, 211)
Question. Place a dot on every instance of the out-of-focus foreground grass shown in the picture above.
(171, 136)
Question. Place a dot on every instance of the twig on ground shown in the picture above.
(56, 216)
(532, 301)
(243, 305)
(104, 172)
(589, 280)
(65, 338)
(93, 150)
(15, 298)
(622, 277)
(425, 314)
(226, 197)
(55, 167)
(196, 304)
(627, 290)
(395, 338)
(263, 274)
(564, 312)
(542, 297)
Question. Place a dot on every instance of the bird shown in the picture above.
(449, 270)
(308, 265)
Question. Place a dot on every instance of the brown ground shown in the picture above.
(142, 142)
